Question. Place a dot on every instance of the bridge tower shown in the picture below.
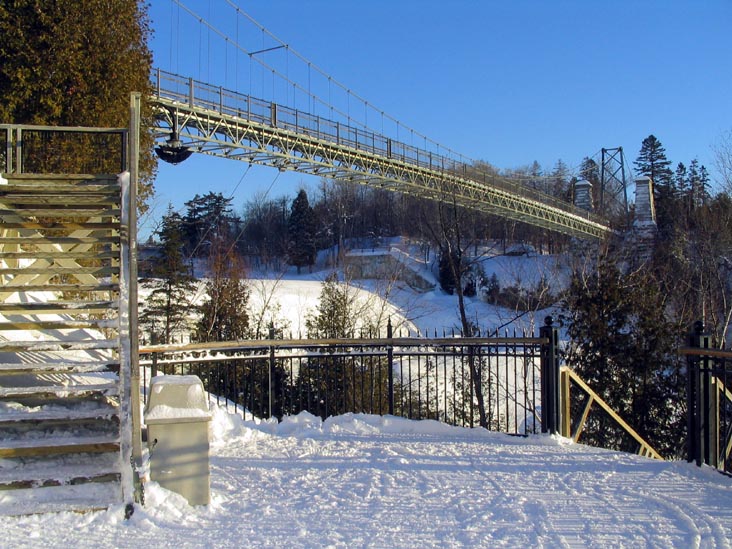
(613, 186)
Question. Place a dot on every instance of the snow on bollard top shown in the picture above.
(176, 398)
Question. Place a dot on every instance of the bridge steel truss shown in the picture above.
(215, 121)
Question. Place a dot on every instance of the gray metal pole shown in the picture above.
(134, 165)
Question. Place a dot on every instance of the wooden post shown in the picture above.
(565, 425)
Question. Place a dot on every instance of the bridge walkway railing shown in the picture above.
(196, 94)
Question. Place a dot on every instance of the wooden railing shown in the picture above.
(567, 376)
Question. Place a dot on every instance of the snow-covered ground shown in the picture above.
(367, 481)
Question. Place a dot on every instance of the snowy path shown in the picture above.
(366, 481)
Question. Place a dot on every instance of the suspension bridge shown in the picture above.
(326, 138)
(194, 116)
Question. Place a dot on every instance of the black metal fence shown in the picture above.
(440, 378)
(32, 149)
(709, 401)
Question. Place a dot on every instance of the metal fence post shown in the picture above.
(154, 366)
(271, 369)
(701, 404)
(390, 365)
(550, 419)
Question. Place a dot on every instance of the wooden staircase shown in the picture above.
(65, 434)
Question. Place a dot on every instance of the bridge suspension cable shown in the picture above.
(230, 124)
(307, 87)
(347, 114)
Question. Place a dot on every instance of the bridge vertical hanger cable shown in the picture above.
(200, 51)
(449, 157)
(441, 150)
(177, 40)
(173, 36)
(262, 64)
(236, 57)
(264, 30)
(208, 47)
(201, 288)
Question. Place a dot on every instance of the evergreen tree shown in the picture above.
(697, 184)
(208, 219)
(681, 184)
(301, 229)
(623, 346)
(328, 381)
(169, 304)
(491, 289)
(558, 184)
(652, 162)
(681, 178)
(335, 316)
(224, 313)
(75, 64)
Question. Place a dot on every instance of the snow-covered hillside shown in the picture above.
(367, 481)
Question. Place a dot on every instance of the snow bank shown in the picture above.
(368, 481)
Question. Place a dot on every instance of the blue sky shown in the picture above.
(507, 82)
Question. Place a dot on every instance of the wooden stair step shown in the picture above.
(36, 238)
(58, 199)
(31, 482)
(38, 179)
(65, 226)
(58, 415)
(11, 368)
(80, 345)
(59, 307)
(61, 254)
(59, 471)
(100, 287)
(107, 389)
(73, 497)
(55, 446)
(56, 270)
(62, 212)
(59, 324)
(55, 189)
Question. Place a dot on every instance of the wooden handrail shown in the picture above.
(343, 342)
(696, 351)
(568, 375)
